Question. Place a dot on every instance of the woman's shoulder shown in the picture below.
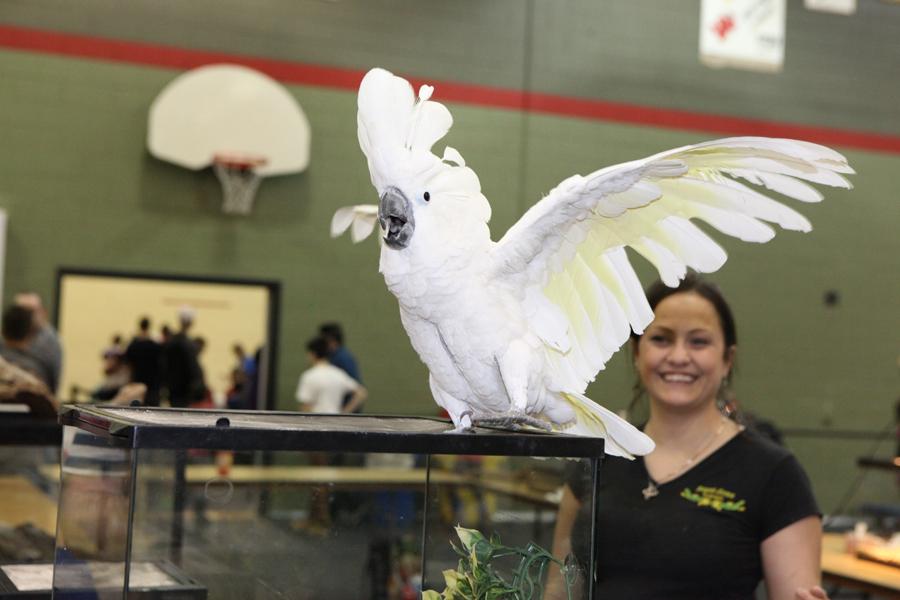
(759, 466)
(750, 444)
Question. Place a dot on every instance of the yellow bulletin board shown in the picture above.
(93, 306)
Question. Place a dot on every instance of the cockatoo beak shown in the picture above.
(396, 218)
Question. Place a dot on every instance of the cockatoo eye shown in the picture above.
(426, 196)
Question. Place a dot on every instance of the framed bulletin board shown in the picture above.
(93, 307)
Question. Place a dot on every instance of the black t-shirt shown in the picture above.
(700, 537)
(182, 373)
(143, 354)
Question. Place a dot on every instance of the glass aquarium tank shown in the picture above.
(177, 503)
(29, 482)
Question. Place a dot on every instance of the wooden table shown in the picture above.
(367, 477)
(22, 502)
(344, 477)
(845, 570)
(373, 478)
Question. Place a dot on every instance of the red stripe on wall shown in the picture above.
(67, 44)
(95, 48)
(712, 123)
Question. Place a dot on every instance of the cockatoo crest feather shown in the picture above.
(397, 130)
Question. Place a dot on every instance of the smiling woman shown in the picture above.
(714, 508)
(683, 357)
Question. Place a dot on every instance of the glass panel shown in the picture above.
(29, 486)
(512, 502)
(92, 534)
(267, 525)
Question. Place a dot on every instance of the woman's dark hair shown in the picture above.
(658, 291)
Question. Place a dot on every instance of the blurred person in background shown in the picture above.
(18, 338)
(41, 345)
(182, 377)
(143, 356)
(339, 355)
(321, 390)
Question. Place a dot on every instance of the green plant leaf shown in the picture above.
(476, 578)
(482, 550)
(469, 537)
(451, 579)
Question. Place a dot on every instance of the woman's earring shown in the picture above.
(725, 398)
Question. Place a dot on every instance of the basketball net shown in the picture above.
(239, 179)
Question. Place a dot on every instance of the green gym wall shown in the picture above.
(539, 90)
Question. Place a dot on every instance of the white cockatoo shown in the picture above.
(513, 331)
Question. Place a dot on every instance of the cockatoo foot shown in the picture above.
(516, 421)
(464, 424)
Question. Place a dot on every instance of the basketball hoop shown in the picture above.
(241, 122)
(239, 179)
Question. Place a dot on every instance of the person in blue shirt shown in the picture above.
(338, 354)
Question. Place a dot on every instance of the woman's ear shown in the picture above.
(730, 354)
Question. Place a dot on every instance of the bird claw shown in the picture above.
(515, 421)
(464, 425)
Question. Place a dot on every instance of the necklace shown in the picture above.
(651, 491)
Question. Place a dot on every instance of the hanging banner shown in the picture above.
(744, 34)
(841, 7)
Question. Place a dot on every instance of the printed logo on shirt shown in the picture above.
(717, 498)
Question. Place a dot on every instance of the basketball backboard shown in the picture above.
(240, 120)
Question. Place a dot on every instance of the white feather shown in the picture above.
(451, 155)
(360, 219)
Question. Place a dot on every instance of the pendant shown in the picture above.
(650, 491)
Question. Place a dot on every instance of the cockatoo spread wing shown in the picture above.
(567, 257)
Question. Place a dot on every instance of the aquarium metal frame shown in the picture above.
(357, 433)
